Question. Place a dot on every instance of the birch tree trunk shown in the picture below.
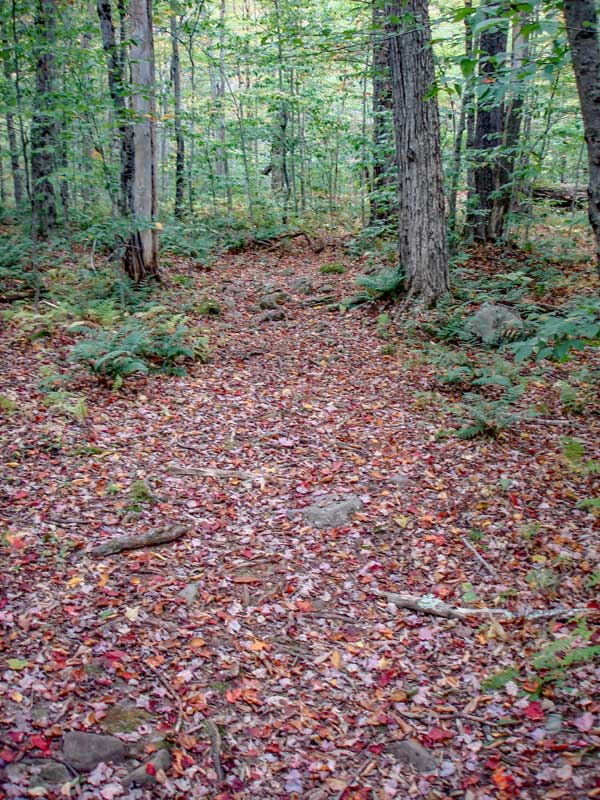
(141, 255)
(582, 30)
(43, 122)
(422, 225)
(11, 130)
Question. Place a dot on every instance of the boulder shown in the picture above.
(303, 286)
(141, 776)
(330, 512)
(410, 751)
(272, 316)
(84, 751)
(272, 300)
(493, 321)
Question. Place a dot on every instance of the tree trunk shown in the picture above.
(13, 148)
(423, 246)
(384, 153)
(43, 122)
(116, 86)
(489, 131)
(582, 30)
(179, 140)
(465, 107)
(141, 255)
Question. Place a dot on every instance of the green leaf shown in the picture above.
(17, 663)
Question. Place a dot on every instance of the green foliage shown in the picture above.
(482, 417)
(332, 269)
(209, 307)
(574, 452)
(500, 679)
(386, 284)
(7, 404)
(556, 335)
(140, 493)
(15, 260)
(383, 325)
(68, 404)
(138, 348)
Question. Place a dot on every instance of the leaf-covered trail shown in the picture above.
(310, 679)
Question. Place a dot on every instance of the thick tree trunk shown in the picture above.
(141, 255)
(582, 30)
(179, 140)
(384, 151)
(43, 122)
(116, 85)
(488, 132)
(423, 246)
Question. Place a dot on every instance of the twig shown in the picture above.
(477, 555)
(215, 747)
(429, 604)
(210, 472)
(351, 780)
(172, 694)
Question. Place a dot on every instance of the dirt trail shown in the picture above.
(308, 679)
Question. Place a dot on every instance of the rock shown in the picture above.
(49, 773)
(190, 592)
(272, 316)
(142, 777)
(410, 751)
(303, 286)
(84, 751)
(493, 321)
(272, 300)
(329, 512)
(122, 718)
(554, 723)
(400, 479)
(326, 288)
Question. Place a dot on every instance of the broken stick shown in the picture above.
(429, 604)
(137, 540)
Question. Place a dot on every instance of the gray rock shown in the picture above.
(141, 777)
(272, 316)
(190, 592)
(493, 321)
(272, 300)
(400, 479)
(554, 723)
(303, 286)
(84, 751)
(410, 751)
(49, 773)
(330, 512)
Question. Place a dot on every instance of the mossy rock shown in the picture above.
(124, 719)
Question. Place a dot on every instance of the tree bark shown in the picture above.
(116, 86)
(179, 140)
(381, 210)
(43, 122)
(489, 130)
(582, 31)
(141, 255)
(11, 131)
(422, 241)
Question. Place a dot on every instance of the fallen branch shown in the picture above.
(428, 604)
(137, 540)
(210, 472)
(478, 555)
(170, 691)
(215, 747)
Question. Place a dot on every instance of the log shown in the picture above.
(561, 196)
(137, 540)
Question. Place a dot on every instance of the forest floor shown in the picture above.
(281, 671)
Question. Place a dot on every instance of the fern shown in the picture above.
(386, 284)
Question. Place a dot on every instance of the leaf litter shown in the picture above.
(287, 670)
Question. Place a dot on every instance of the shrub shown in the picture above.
(332, 269)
